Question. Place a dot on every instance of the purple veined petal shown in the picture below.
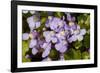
(72, 38)
(64, 42)
(58, 46)
(47, 24)
(61, 23)
(71, 24)
(61, 35)
(71, 31)
(25, 36)
(73, 19)
(47, 36)
(57, 29)
(82, 31)
(38, 24)
(45, 53)
(41, 42)
(69, 18)
(63, 49)
(45, 33)
(46, 46)
(34, 34)
(74, 27)
(48, 39)
(54, 39)
(53, 25)
(31, 22)
(33, 43)
(79, 37)
(78, 27)
(56, 19)
(66, 27)
(34, 51)
(76, 32)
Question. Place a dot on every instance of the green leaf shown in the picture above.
(25, 48)
(54, 55)
(85, 55)
(84, 20)
(58, 14)
(77, 44)
(42, 22)
(26, 60)
(43, 14)
(27, 15)
(86, 41)
(72, 54)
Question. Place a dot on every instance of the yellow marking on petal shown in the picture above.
(60, 23)
(52, 33)
(50, 17)
(76, 31)
(31, 35)
(62, 33)
(71, 23)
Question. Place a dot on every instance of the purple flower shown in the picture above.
(33, 43)
(50, 36)
(69, 17)
(48, 22)
(37, 24)
(61, 46)
(34, 51)
(72, 38)
(47, 48)
(33, 22)
(34, 34)
(77, 35)
(25, 36)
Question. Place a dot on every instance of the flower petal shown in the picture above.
(34, 51)
(25, 36)
(31, 22)
(33, 43)
(45, 53)
(82, 31)
(38, 24)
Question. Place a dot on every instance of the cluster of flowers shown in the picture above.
(58, 33)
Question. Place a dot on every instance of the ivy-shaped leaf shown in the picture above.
(86, 41)
(54, 55)
(77, 44)
(72, 54)
(85, 55)
(25, 48)
(84, 21)
(58, 14)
